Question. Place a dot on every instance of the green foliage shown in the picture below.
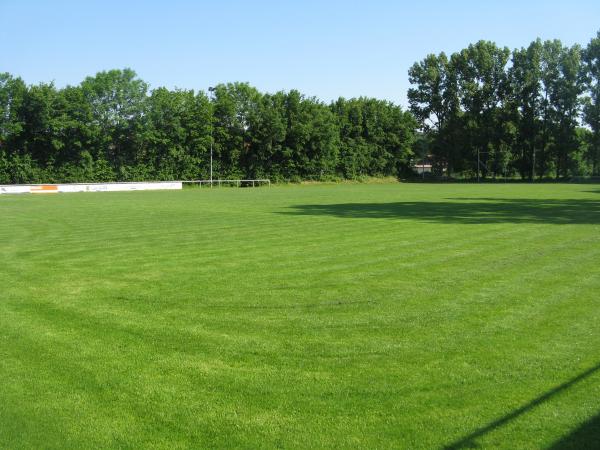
(515, 114)
(17, 168)
(176, 135)
(525, 78)
(12, 95)
(483, 87)
(376, 137)
(485, 111)
(591, 108)
(111, 128)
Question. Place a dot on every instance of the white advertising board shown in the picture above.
(88, 187)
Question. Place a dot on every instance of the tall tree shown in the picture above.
(267, 130)
(235, 109)
(177, 135)
(13, 92)
(591, 108)
(568, 107)
(428, 100)
(435, 103)
(375, 137)
(117, 99)
(312, 138)
(526, 82)
(561, 89)
(482, 78)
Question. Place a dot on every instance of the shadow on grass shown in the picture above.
(585, 436)
(466, 210)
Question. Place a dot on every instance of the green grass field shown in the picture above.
(383, 316)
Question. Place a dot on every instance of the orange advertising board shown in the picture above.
(44, 189)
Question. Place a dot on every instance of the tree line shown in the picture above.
(483, 111)
(111, 127)
(533, 112)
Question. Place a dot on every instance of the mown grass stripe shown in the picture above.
(321, 316)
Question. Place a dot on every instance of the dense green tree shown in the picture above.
(526, 84)
(79, 158)
(117, 99)
(561, 90)
(264, 144)
(235, 108)
(477, 114)
(483, 90)
(15, 165)
(428, 100)
(111, 128)
(375, 137)
(176, 135)
(520, 116)
(12, 95)
(435, 103)
(42, 115)
(591, 108)
(311, 142)
(564, 103)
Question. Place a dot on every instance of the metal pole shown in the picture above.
(478, 165)
(212, 126)
(533, 167)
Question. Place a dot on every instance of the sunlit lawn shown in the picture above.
(384, 316)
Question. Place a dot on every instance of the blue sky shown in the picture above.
(323, 48)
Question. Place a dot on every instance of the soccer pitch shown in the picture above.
(386, 316)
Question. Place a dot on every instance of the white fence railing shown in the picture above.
(238, 183)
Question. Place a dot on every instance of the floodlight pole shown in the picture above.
(212, 126)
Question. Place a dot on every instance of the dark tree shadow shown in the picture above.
(584, 435)
(466, 210)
